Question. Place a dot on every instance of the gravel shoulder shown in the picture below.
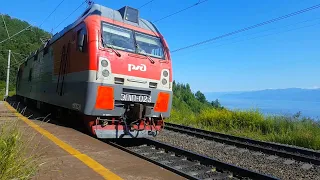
(272, 165)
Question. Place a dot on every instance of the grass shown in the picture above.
(296, 130)
(16, 161)
(2, 93)
(12, 90)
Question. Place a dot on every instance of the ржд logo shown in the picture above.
(141, 67)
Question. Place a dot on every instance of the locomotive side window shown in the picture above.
(45, 51)
(30, 75)
(149, 45)
(19, 78)
(82, 40)
(40, 56)
(118, 38)
(35, 57)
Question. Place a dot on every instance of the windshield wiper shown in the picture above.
(145, 54)
(110, 46)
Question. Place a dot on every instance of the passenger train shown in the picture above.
(110, 67)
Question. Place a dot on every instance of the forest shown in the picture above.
(21, 45)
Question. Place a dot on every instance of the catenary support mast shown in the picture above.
(8, 73)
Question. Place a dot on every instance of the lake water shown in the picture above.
(308, 109)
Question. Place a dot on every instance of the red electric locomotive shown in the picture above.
(110, 66)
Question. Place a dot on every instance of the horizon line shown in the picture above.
(312, 88)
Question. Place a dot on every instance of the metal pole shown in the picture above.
(8, 73)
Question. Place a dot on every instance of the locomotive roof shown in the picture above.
(96, 9)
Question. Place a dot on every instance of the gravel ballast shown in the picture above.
(264, 163)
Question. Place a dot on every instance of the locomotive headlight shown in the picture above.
(164, 81)
(104, 63)
(105, 73)
(165, 73)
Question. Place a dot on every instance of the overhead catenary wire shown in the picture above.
(44, 21)
(250, 27)
(15, 60)
(6, 50)
(5, 25)
(15, 34)
(30, 25)
(19, 54)
(145, 4)
(200, 2)
(12, 64)
(270, 34)
(16, 64)
(69, 15)
(51, 13)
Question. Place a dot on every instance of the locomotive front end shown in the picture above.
(131, 93)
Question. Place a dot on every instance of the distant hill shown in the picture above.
(294, 94)
(20, 45)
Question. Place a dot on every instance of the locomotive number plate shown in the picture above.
(135, 98)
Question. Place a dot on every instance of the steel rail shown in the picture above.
(185, 163)
(285, 151)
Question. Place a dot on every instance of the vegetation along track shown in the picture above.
(300, 154)
(184, 163)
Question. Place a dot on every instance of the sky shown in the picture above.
(284, 54)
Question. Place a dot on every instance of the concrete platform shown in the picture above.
(67, 153)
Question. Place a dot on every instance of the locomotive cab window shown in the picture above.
(149, 45)
(82, 40)
(118, 38)
(131, 41)
(132, 15)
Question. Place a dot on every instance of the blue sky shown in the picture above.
(280, 55)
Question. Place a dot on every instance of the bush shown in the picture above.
(294, 130)
(193, 109)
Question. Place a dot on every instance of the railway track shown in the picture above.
(221, 170)
(185, 163)
(300, 154)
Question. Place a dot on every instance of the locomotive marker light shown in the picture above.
(105, 98)
(165, 77)
(165, 73)
(162, 102)
(164, 81)
(104, 71)
(104, 63)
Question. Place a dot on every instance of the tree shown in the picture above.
(20, 45)
(216, 104)
(201, 97)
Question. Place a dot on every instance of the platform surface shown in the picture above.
(61, 164)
